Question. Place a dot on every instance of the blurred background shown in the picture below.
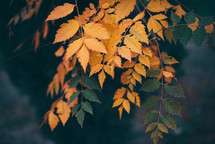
(25, 75)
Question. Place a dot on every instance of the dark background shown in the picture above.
(25, 75)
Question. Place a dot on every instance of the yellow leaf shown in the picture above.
(159, 16)
(124, 25)
(179, 11)
(101, 77)
(194, 25)
(69, 93)
(138, 30)
(158, 5)
(155, 26)
(133, 81)
(95, 45)
(119, 93)
(210, 28)
(83, 57)
(126, 106)
(95, 69)
(73, 48)
(59, 52)
(118, 61)
(63, 111)
(118, 102)
(147, 51)
(107, 3)
(133, 44)
(96, 30)
(95, 58)
(167, 74)
(120, 112)
(137, 77)
(124, 52)
(53, 120)
(144, 60)
(124, 8)
(61, 11)
(130, 97)
(139, 68)
(139, 16)
(66, 31)
(137, 99)
(99, 16)
(164, 23)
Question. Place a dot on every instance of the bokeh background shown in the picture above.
(25, 75)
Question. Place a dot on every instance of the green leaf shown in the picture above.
(74, 109)
(199, 36)
(80, 117)
(75, 95)
(172, 106)
(74, 82)
(186, 35)
(153, 72)
(169, 121)
(150, 116)
(169, 34)
(86, 106)
(151, 85)
(177, 34)
(90, 82)
(176, 91)
(190, 18)
(207, 20)
(151, 102)
(169, 60)
(162, 128)
(90, 95)
(151, 126)
(175, 18)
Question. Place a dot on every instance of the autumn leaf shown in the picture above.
(119, 93)
(139, 68)
(138, 30)
(83, 57)
(96, 30)
(118, 102)
(126, 106)
(133, 44)
(124, 52)
(73, 48)
(124, 8)
(53, 120)
(95, 45)
(66, 31)
(61, 11)
(63, 111)
(101, 78)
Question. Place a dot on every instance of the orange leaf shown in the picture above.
(61, 11)
(118, 102)
(101, 78)
(167, 74)
(83, 57)
(73, 48)
(120, 112)
(126, 106)
(95, 69)
(53, 120)
(139, 68)
(124, 52)
(144, 60)
(95, 45)
(59, 52)
(63, 111)
(66, 31)
(119, 93)
(96, 30)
